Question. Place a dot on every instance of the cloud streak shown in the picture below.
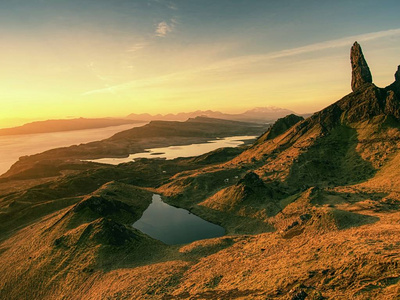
(338, 43)
(137, 47)
(236, 62)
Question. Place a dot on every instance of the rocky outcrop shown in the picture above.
(365, 103)
(108, 232)
(361, 74)
(99, 232)
(251, 179)
(101, 206)
(281, 126)
(394, 88)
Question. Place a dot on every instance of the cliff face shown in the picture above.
(332, 178)
(321, 194)
(280, 126)
(345, 143)
(360, 70)
(366, 102)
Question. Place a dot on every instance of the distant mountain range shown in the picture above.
(257, 115)
(261, 115)
(64, 125)
(152, 135)
(311, 209)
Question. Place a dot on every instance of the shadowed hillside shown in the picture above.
(138, 139)
(311, 211)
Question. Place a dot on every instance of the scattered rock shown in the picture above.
(108, 232)
(305, 217)
(299, 296)
(294, 224)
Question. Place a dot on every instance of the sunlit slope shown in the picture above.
(311, 211)
(353, 142)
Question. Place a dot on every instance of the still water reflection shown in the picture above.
(173, 225)
(173, 152)
(14, 146)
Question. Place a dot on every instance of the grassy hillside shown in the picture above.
(311, 211)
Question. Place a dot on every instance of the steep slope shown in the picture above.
(77, 243)
(361, 74)
(311, 210)
(280, 127)
(345, 143)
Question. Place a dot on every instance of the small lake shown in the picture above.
(173, 225)
(173, 152)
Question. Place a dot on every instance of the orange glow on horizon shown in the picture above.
(117, 80)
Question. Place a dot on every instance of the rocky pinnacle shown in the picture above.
(360, 71)
(397, 74)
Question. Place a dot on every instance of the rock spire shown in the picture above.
(397, 75)
(360, 71)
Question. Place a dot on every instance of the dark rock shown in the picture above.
(392, 105)
(311, 274)
(251, 179)
(324, 272)
(108, 232)
(305, 217)
(101, 206)
(361, 74)
(299, 296)
(394, 88)
(294, 224)
(367, 102)
(282, 125)
(58, 241)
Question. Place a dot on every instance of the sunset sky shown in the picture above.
(99, 58)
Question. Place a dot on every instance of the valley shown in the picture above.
(310, 209)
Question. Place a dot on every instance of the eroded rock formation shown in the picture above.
(360, 70)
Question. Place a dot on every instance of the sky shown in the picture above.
(102, 58)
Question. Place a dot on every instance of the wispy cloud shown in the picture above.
(137, 47)
(343, 42)
(133, 84)
(96, 73)
(172, 6)
(163, 28)
(338, 43)
(168, 4)
(237, 62)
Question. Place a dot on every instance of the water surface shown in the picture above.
(173, 225)
(173, 152)
(14, 146)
